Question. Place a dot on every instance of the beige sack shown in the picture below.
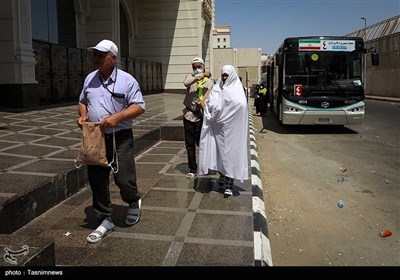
(93, 147)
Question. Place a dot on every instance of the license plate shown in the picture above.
(323, 120)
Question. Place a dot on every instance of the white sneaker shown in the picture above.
(228, 192)
(190, 175)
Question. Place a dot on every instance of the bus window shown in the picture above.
(302, 68)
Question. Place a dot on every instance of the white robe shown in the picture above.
(224, 134)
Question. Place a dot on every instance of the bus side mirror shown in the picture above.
(279, 59)
(375, 59)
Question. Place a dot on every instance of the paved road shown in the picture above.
(303, 180)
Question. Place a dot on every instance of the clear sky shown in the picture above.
(266, 23)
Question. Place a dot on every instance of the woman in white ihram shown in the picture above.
(223, 142)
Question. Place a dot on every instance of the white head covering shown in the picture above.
(232, 81)
(232, 86)
(197, 60)
(232, 76)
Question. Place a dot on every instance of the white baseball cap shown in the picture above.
(105, 46)
(197, 60)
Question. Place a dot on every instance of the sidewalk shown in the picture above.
(383, 98)
(38, 148)
(183, 223)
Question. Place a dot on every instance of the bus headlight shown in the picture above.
(290, 109)
(359, 109)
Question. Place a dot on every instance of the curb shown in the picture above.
(262, 247)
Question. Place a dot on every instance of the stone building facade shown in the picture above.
(168, 33)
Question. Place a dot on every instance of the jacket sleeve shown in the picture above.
(190, 79)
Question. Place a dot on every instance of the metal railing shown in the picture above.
(60, 72)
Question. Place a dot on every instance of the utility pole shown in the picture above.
(365, 54)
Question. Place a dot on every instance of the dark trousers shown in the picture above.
(262, 104)
(125, 178)
(192, 138)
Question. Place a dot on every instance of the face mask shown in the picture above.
(198, 71)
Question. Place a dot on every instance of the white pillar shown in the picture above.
(17, 61)
(81, 14)
(199, 30)
(211, 45)
(115, 23)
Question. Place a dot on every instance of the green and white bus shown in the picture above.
(318, 80)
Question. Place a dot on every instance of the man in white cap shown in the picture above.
(198, 85)
(112, 97)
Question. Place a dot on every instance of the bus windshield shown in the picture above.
(323, 69)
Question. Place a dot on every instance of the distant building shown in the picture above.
(247, 61)
(222, 37)
(384, 37)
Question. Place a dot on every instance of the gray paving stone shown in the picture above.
(183, 223)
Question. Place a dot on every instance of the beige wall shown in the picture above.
(101, 23)
(384, 79)
(172, 33)
(221, 58)
(383, 83)
(250, 58)
(247, 62)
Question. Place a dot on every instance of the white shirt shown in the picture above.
(100, 102)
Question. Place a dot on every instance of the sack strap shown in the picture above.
(115, 156)
(114, 159)
(77, 166)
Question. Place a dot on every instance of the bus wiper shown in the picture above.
(307, 91)
(339, 85)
